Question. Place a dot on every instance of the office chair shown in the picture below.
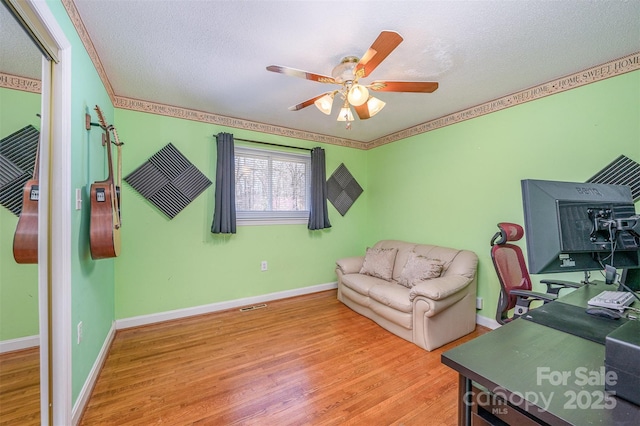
(516, 289)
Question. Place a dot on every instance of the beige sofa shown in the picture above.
(392, 292)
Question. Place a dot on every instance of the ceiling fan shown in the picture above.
(347, 74)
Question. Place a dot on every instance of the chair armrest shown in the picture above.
(533, 295)
(350, 265)
(439, 288)
(559, 285)
(569, 284)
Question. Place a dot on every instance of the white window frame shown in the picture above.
(295, 217)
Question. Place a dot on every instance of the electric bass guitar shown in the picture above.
(25, 239)
(104, 228)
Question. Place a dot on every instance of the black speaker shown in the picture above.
(622, 351)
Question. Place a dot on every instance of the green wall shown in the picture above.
(451, 186)
(18, 283)
(92, 289)
(171, 264)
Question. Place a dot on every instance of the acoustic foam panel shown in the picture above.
(342, 189)
(17, 161)
(168, 180)
(621, 171)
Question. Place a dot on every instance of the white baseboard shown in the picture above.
(219, 306)
(19, 343)
(85, 392)
(487, 322)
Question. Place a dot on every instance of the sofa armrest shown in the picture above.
(350, 265)
(439, 288)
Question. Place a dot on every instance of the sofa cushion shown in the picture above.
(393, 295)
(361, 283)
(419, 268)
(379, 262)
(404, 248)
(444, 254)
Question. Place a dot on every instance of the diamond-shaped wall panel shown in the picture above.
(17, 161)
(621, 171)
(168, 180)
(342, 189)
(8, 171)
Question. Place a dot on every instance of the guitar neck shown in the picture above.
(107, 142)
(119, 145)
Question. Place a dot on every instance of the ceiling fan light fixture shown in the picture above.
(345, 114)
(325, 103)
(358, 95)
(345, 70)
(375, 105)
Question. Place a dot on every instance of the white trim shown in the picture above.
(61, 242)
(92, 378)
(487, 322)
(43, 247)
(19, 344)
(219, 306)
(274, 220)
(54, 249)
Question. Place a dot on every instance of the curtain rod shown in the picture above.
(272, 144)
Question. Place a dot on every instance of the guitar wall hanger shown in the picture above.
(88, 123)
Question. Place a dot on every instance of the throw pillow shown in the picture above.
(378, 262)
(419, 268)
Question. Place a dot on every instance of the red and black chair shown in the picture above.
(516, 289)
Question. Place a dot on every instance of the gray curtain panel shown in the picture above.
(224, 214)
(319, 215)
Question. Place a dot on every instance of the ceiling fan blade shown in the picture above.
(306, 103)
(301, 74)
(404, 86)
(362, 111)
(386, 42)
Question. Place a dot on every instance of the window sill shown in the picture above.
(273, 221)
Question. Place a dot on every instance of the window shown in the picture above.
(272, 186)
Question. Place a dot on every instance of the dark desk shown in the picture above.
(539, 374)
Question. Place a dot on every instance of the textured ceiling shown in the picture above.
(211, 55)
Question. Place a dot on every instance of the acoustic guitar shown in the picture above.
(104, 228)
(25, 239)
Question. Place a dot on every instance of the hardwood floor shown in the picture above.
(306, 360)
(20, 387)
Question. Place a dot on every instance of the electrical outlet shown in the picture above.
(263, 265)
(78, 199)
(478, 302)
(79, 332)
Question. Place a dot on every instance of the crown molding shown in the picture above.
(236, 123)
(76, 20)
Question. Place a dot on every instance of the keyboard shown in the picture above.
(612, 299)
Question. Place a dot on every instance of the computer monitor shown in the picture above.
(579, 226)
(631, 278)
